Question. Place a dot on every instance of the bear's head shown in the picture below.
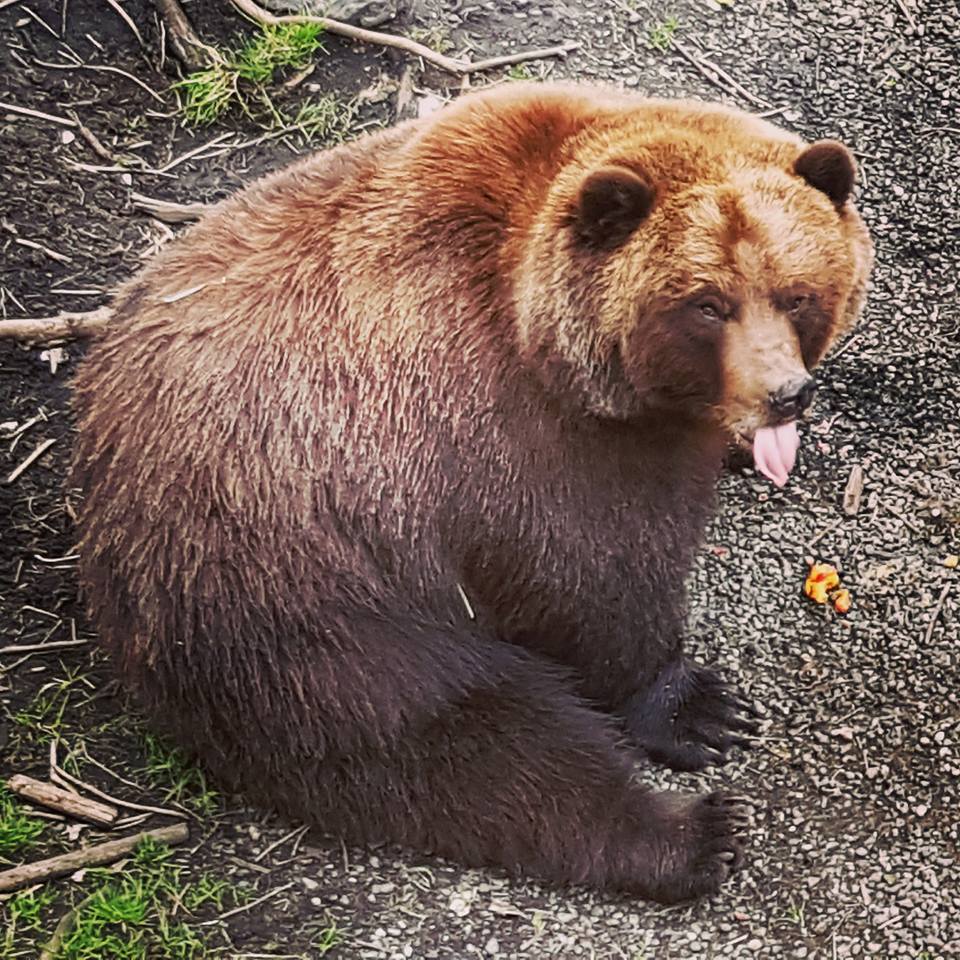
(695, 263)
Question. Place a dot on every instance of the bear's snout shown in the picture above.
(792, 399)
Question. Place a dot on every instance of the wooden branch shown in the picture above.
(718, 76)
(55, 798)
(64, 326)
(96, 856)
(167, 210)
(188, 48)
(452, 65)
(853, 491)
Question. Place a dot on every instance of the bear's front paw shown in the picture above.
(707, 846)
(689, 718)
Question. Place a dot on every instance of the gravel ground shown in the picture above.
(857, 774)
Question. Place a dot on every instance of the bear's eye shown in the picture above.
(711, 310)
(797, 303)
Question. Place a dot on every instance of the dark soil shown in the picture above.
(856, 851)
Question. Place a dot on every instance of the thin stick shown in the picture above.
(827, 529)
(62, 326)
(38, 452)
(276, 843)
(40, 647)
(43, 23)
(244, 907)
(715, 74)
(190, 153)
(100, 67)
(188, 48)
(167, 210)
(125, 17)
(96, 856)
(58, 773)
(55, 798)
(38, 114)
(908, 15)
(95, 145)
(107, 770)
(461, 67)
(33, 245)
(936, 613)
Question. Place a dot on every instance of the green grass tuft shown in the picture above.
(130, 916)
(241, 77)
(18, 831)
(326, 939)
(278, 46)
(22, 914)
(662, 34)
(183, 782)
(44, 716)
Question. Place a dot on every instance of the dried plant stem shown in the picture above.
(188, 48)
(64, 326)
(96, 856)
(450, 64)
(56, 798)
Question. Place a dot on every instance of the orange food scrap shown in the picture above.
(823, 578)
(842, 601)
(952, 562)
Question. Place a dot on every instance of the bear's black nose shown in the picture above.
(793, 398)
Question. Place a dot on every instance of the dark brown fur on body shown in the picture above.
(395, 464)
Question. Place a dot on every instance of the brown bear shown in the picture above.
(394, 466)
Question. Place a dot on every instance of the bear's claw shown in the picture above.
(712, 831)
(689, 718)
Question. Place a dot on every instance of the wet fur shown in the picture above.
(380, 520)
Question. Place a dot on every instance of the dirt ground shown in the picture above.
(857, 775)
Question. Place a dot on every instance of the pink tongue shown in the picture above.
(775, 451)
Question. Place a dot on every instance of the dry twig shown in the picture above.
(127, 19)
(168, 210)
(64, 326)
(16, 648)
(95, 856)
(37, 114)
(243, 908)
(38, 452)
(95, 145)
(59, 775)
(936, 614)
(55, 798)
(853, 491)
(451, 64)
(188, 48)
(717, 76)
(33, 245)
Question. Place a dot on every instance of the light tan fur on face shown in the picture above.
(761, 354)
(731, 216)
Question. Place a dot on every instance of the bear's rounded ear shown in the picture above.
(829, 167)
(611, 204)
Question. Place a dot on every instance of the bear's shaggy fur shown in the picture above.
(394, 466)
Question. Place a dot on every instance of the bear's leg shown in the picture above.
(518, 772)
(688, 717)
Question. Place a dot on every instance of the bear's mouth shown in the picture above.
(775, 450)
